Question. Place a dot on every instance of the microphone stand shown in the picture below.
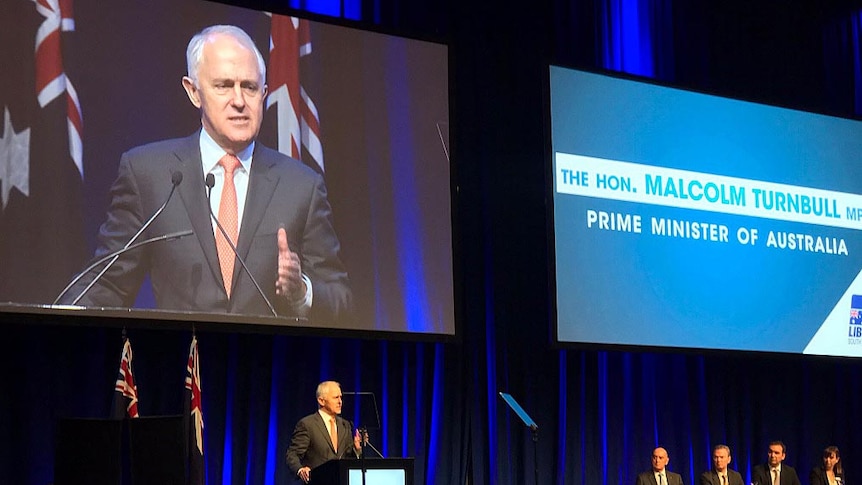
(535, 430)
(176, 180)
(366, 442)
(363, 436)
(115, 254)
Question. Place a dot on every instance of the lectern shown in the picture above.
(379, 471)
(87, 452)
(99, 451)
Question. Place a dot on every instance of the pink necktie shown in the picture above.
(227, 215)
(333, 434)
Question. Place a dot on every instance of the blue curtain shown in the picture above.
(842, 50)
(636, 37)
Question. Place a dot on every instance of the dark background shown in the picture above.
(600, 411)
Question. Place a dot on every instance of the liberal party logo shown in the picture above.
(856, 310)
(855, 330)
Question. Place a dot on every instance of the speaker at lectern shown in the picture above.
(378, 471)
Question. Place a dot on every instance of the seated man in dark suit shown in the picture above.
(659, 475)
(720, 473)
(322, 436)
(774, 472)
(273, 208)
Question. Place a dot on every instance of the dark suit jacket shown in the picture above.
(711, 478)
(648, 478)
(818, 477)
(311, 446)
(185, 273)
(761, 475)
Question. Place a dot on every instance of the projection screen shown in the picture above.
(367, 112)
(688, 220)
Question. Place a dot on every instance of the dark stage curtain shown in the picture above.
(600, 413)
(254, 387)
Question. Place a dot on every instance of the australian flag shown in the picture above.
(194, 418)
(125, 390)
(41, 151)
(298, 119)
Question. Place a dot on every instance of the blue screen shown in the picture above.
(688, 220)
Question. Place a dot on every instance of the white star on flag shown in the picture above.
(14, 159)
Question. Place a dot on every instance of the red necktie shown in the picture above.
(227, 215)
(333, 434)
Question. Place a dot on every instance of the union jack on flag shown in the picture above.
(194, 417)
(298, 120)
(51, 80)
(41, 153)
(125, 390)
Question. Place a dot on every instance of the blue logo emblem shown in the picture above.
(856, 310)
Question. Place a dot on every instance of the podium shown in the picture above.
(379, 471)
(87, 452)
(146, 451)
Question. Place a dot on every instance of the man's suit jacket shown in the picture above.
(761, 475)
(185, 273)
(648, 478)
(311, 446)
(711, 478)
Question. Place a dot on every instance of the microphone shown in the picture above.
(366, 443)
(176, 180)
(119, 252)
(210, 183)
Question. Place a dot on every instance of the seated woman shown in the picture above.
(831, 472)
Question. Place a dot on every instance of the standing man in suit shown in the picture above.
(720, 473)
(659, 475)
(774, 472)
(274, 208)
(322, 436)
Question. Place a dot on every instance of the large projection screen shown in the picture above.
(82, 87)
(688, 220)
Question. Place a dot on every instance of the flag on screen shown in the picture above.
(856, 310)
(194, 417)
(125, 390)
(298, 120)
(41, 154)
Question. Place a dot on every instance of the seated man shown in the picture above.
(720, 473)
(659, 475)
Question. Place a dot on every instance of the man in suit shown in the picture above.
(720, 473)
(774, 472)
(316, 435)
(659, 475)
(282, 222)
